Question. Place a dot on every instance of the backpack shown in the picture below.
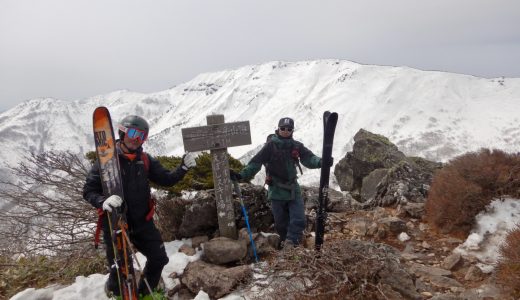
(279, 155)
(151, 204)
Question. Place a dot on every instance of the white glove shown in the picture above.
(188, 160)
(112, 201)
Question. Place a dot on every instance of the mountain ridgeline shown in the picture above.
(435, 115)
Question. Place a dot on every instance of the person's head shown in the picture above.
(133, 131)
(285, 127)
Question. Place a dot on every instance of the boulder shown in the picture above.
(370, 152)
(223, 250)
(216, 281)
(407, 181)
(199, 214)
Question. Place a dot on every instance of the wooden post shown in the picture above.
(216, 137)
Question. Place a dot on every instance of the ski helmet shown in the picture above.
(286, 122)
(135, 122)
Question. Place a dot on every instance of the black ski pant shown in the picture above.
(147, 239)
(289, 219)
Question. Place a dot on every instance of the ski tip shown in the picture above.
(100, 110)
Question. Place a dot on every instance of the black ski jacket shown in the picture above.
(136, 188)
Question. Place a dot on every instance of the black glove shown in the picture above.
(234, 175)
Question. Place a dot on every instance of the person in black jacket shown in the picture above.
(133, 131)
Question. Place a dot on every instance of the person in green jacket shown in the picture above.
(281, 155)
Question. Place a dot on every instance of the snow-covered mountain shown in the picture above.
(436, 115)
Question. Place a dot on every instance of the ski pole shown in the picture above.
(116, 254)
(239, 194)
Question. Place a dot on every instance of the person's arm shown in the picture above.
(93, 189)
(162, 176)
(309, 159)
(255, 164)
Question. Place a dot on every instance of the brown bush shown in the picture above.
(467, 184)
(508, 266)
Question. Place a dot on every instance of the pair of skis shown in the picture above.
(112, 185)
(329, 127)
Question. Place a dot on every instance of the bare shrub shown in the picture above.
(45, 213)
(47, 228)
(508, 267)
(342, 270)
(467, 184)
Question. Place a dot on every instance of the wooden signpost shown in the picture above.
(217, 136)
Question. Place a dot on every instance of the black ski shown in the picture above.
(112, 185)
(329, 126)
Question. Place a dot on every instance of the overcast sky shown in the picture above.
(71, 50)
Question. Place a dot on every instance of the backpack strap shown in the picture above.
(151, 205)
(152, 202)
(99, 224)
(295, 154)
(146, 161)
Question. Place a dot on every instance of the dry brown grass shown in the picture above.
(508, 267)
(342, 270)
(467, 184)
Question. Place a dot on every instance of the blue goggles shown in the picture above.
(134, 133)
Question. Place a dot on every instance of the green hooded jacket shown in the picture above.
(277, 155)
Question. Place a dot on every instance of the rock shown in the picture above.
(187, 250)
(451, 261)
(224, 250)
(369, 184)
(337, 201)
(450, 240)
(414, 210)
(403, 237)
(423, 270)
(200, 216)
(258, 208)
(198, 240)
(264, 242)
(443, 282)
(407, 181)
(446, 297)
(393, 224)
(485, 291)
(474, 273)
(422, 287)
(423, 226)
(216, 281)
(358, 226)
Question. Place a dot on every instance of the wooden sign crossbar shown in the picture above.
(217, 136)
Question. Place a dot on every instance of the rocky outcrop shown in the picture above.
(199, 214)
(370, 152)
(376, 173)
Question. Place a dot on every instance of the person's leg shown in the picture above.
(296, 220)
(281, 217)
(148, 241)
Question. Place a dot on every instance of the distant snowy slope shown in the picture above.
(431, 114)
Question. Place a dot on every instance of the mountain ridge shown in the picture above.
(432, 114)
